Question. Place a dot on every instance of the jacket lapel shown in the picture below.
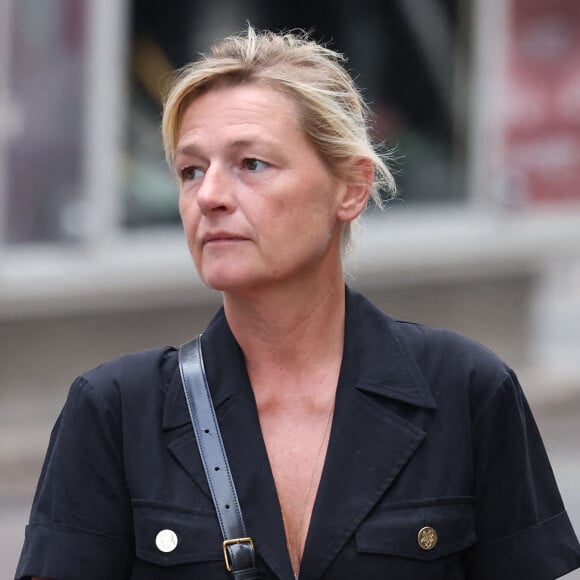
(370, 443)
(239, 424)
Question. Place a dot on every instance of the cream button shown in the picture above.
(166, 541)
(427, 538)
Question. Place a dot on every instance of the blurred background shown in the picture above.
(479, 98)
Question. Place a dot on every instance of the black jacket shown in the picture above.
(430, 430)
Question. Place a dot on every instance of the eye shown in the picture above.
(252, 164)
(190, 173)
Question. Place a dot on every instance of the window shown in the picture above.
(405, 55)
(43, 114)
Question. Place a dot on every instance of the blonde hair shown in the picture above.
(332, 112)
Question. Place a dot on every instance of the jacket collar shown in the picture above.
(224, 366)
(376, 359)
(366, 435)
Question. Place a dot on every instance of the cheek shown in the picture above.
(183, 203)
(181, 208)
(190, 223)
(189, 217)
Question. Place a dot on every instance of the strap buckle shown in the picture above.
(233, 542)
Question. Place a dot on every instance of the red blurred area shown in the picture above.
(542, 113)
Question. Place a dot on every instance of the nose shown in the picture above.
(216, 192)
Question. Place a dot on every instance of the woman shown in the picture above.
(360, 446)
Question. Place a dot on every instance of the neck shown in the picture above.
(289, 327)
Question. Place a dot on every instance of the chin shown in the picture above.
(227, 281)
(238, 282)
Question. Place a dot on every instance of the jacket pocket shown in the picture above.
(421, 530)
(169, 534)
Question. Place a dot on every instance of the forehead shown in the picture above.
(240, 109)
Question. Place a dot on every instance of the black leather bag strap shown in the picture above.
(238, 548)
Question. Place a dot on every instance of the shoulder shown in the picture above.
(455, 365)
(433, 345)
(450, 364)
(138, 365)
(429, 346)
(129, 376)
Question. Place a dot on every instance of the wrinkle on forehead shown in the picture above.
(248, 113)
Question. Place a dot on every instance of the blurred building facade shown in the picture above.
(479, 100)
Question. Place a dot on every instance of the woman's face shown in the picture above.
(258, 204)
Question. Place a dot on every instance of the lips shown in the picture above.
(221, 237)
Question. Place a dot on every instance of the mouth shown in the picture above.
(221, 238)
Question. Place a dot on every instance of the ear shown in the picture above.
(357, 190)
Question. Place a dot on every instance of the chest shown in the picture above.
(366, 452)
(296, 447)
(385, 543)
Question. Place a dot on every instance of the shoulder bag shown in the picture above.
(238, 548)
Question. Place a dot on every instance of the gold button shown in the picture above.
(427, 538)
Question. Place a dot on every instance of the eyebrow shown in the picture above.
(194, 149)
(189, 149)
